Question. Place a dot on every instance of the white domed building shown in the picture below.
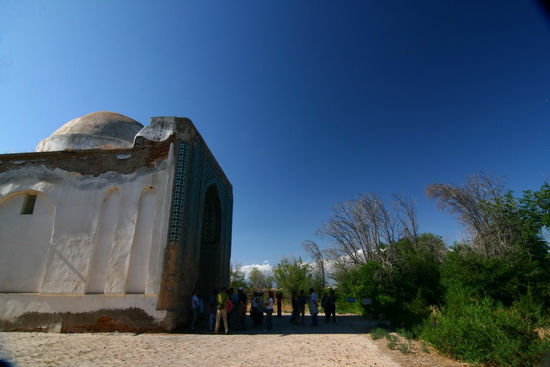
(111, 225)
(98, 130)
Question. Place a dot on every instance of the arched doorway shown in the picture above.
(210, 252)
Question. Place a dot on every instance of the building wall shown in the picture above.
(114, 234)
(25, 242)
(88, 235)
(196, 172)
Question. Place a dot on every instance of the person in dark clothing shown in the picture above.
(301, 306)
(294, 303)
(331, 307)
(241, 309)
(279, 304)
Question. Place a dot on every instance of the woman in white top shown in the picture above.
(269, 311)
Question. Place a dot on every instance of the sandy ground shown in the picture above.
(346, 343)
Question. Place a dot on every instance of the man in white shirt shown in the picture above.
(313, 307)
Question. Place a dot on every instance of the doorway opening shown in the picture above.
(210, 247)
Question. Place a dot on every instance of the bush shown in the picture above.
(404, 348)
(407, 334)
(379, 333)
(477, 330)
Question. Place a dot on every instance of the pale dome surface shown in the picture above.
(97, 130)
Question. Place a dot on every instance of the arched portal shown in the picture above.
(210, 251)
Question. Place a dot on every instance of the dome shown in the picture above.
(98, 130)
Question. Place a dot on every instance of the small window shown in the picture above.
(28, 204)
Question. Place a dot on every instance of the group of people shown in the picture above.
(231, 308)
(328, 303)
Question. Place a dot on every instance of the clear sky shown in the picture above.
(305, 104)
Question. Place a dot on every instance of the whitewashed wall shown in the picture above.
(98, 239)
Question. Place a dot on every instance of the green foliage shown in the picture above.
(237, 277)
(478, 330)
(407, 334)
(344, 306)
(416, 262)
(504, 278)
(497, 299)
(404, 348)
(292, 275)
(392, 344)
(258, 279)
(403, 292)
(425, 348)
(486, 301)
(379, 333)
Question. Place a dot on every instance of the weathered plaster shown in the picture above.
(113, 229)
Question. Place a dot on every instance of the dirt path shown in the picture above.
(346, 343)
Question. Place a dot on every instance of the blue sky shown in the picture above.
(305, 104)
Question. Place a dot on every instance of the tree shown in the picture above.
(417, 267)
(507, 254)
(362, 229)
(292, 274)
(472, 203)
(237, 277)
(498, 223)
(259, 279)
(316, 254)
(359, 228)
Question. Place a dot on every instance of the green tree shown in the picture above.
(292, 274)
(237, 277)
(416, 265)
(402, 283)
(497, 283)
(507, 253)
(258, 279)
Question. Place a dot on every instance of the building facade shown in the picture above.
(111, 225)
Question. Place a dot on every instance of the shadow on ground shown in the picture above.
(345, 324)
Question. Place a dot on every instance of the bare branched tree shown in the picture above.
(352, 233)
(473, 203)
(406, 210)
(361, 230)
(317, 255)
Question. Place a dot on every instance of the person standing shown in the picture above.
(269, 311)
(212, 309)
(222, 299)
(331, 307)
(259, 314)
(194, 309)
(253, 308)
(313, 307)
(324, 304)
(294, 304)
(301, 305)
(279, 303)
(232, 313)
(241, 309)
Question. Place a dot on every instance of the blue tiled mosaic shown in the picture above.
(179, 192)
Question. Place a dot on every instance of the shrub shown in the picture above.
(404, 348)
(407, 334)
(477, 330)
(379, 333)
(392, 344)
